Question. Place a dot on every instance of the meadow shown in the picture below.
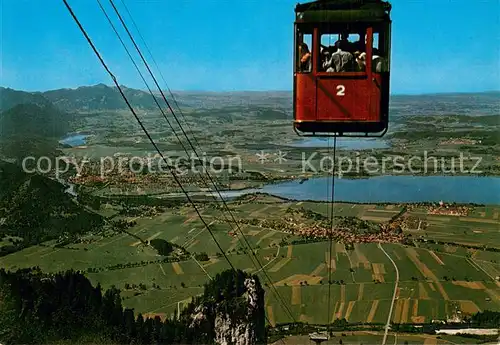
(436, 281)
(368, 337)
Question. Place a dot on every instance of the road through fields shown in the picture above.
(393, 296)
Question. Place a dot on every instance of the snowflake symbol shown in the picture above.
(280, 157)
(262, 156)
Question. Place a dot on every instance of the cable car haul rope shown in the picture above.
(259, 267)
(341, 89)
(329, 265)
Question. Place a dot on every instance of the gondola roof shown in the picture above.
(343, 11)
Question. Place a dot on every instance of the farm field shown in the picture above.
(480, 227)
(359, 337)
(436, 282)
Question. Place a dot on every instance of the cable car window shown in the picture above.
(380, 53)
(304, 52)
(375, 41)
(338, 51)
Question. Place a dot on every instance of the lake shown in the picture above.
(390, 189)
(74, 140)
(344, 143)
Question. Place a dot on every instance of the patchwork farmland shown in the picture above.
(436, 281)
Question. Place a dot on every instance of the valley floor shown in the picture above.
(444, 270)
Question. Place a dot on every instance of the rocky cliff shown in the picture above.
(231, 311)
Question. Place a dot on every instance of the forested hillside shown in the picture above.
(41, 308)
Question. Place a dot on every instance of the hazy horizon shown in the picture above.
(240, 91)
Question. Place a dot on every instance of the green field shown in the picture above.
(480, 227)
(359, 338)
(435, 281)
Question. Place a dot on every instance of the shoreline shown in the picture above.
(243, 196)
(361, 177)
(260, 188)
(425, 203)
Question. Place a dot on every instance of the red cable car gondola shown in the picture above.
(341, 86)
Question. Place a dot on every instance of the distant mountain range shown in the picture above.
(98, 97)
(9, 98)
(102, 97)
(46, 116)
(85, 98)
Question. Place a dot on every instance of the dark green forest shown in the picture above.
(42, 308)
(37, 209)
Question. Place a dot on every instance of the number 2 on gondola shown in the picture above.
(340, 90)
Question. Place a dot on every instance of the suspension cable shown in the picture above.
(161, 74)
(143, 128)
(151, 92)
(146, 132)
(210, 178)
(142, 77)
(332, 224)
(146, 84)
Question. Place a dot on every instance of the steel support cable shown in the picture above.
(151, 73)
(145, 130)
(159, 71)
(192, 147)
(329, 208)
(147, 86)
(123, 44)
(149, 89)
(142, 77)
(332, 224)
(151, 92)
(142, 126)
(328, 259)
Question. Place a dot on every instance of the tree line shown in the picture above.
(41, 308)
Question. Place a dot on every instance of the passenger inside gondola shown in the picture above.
(340, 61)
(350, 56)
(379, 59)
(337, 57)
(344, 41)
(379, 63)
(360, 61)
(360, 44)
(305, 64)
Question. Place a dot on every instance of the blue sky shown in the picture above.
(223, 45)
